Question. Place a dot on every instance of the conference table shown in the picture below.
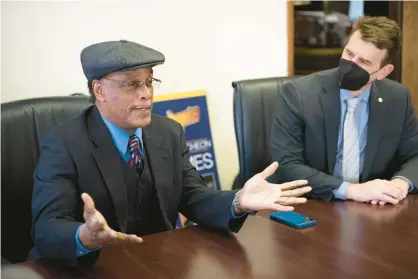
(350, 240)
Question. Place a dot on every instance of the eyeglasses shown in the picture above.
(130, 86)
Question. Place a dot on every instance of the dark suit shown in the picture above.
(305, 133)
(80, 156)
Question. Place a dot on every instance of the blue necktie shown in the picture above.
(351, 146)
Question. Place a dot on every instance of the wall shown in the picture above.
(207, 46)
(409, 50)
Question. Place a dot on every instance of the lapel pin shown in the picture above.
(380, 100)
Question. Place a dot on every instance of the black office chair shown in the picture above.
(23, 124)
(254, 104)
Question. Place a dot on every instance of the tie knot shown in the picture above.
(134, 144)
(352, 104)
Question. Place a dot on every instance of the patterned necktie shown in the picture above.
(135, 147)
(351, 146)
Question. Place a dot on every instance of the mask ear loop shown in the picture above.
(370, 82)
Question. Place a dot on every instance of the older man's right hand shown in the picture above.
(95, 231)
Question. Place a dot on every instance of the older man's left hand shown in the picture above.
(258, 194)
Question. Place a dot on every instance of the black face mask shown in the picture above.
(351, 76)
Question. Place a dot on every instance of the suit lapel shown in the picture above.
(108, 162)
(331, 108)
(374, 126)
(158, 157)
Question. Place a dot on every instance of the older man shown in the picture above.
(132, 164)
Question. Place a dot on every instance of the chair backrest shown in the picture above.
(254, 104)
(23, 124)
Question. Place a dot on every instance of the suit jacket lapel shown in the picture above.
(331, 108)
(374, 126)
(108, 161)
(158, 157)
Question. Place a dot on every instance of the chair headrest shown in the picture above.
(24, 123)
(254, 105)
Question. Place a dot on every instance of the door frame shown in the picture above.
(396, 13)
(290, 39)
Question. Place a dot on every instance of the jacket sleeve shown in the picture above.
(201, 204)
(56, 205)
(408, 146)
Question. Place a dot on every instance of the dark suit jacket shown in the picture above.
(80, 156)
(305, 133)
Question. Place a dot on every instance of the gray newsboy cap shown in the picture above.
(103, 58)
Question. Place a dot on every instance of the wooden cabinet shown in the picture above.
(410, 49)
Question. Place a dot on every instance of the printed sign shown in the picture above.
(190, 110)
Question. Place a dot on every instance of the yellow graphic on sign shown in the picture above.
(186, 117)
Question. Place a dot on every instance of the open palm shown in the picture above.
(258, 194)
(98, 229)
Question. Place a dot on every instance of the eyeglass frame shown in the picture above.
(125, 85)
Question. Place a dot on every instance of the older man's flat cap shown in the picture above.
(103, 58)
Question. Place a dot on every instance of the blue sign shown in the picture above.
(191, 111)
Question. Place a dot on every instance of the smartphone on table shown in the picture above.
(293, 219)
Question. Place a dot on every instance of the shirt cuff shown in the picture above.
(235, 216)
(80, 250)
(411, 187)
(341, 191)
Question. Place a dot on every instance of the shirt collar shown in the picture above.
(346, 95)
(120, 136)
